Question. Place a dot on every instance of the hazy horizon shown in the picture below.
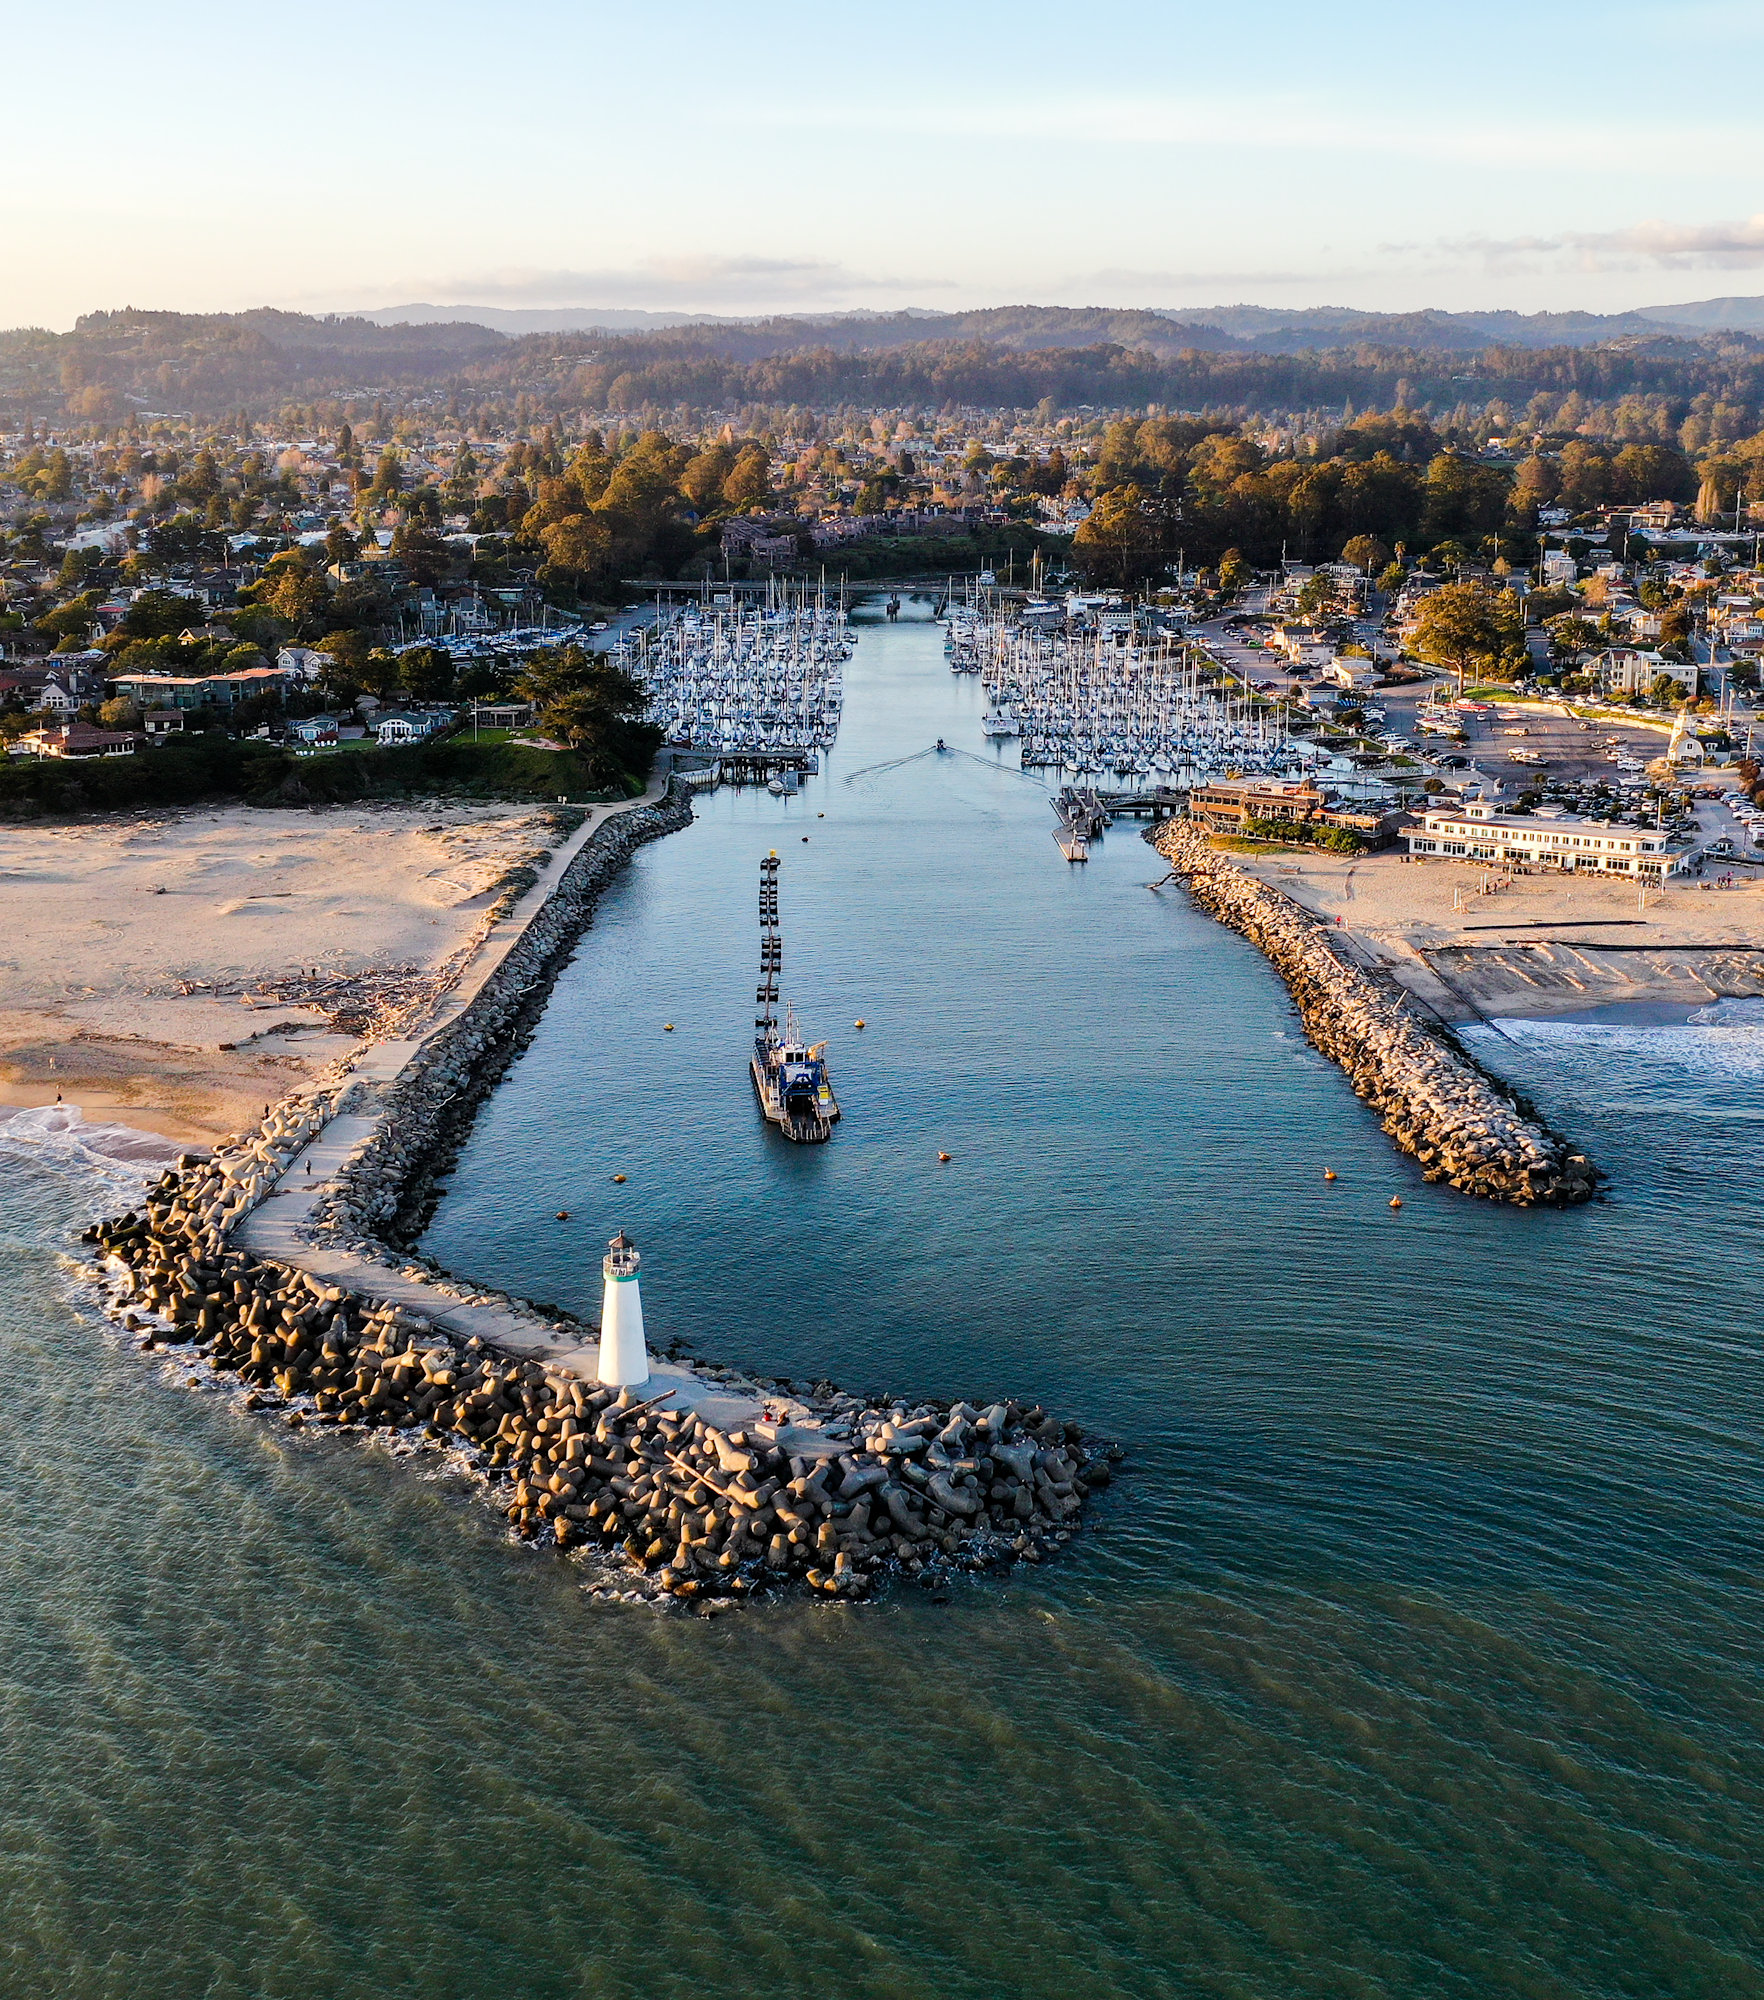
(1574, 158)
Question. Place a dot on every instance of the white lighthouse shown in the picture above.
(624, 1360)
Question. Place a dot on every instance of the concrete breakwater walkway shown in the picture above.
(1435, 1102)
(268, 1262)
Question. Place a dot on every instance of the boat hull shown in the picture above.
(812, 1128)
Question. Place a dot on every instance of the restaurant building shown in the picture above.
(1477, 832)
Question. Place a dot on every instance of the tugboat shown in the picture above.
(789, 1072)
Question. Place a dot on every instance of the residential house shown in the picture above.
(305, 662)
(222, 691)
(76, 739)
(501, 714)
(159, 723)
(407, 726)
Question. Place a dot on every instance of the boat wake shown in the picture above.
(945, 750)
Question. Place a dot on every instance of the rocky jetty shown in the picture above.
(387, 1190)
(693, 1511)
(832, 1493)
(1437, 1104)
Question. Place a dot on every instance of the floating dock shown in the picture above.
(789, 1072)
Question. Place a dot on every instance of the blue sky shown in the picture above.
(782, 156)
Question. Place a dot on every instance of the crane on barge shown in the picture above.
(789, 1072)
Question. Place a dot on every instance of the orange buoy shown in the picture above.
(563, 1215)
(1396, 1201)
(943, 1156)
(618, 1177)
(1329, 1173)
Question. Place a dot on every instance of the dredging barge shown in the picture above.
(789, 1071)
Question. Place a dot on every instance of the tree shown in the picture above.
(427, 673)
(158, 614)
(591, 704)
(1464, 625)
(1464, 498)
(295, 595)
(702, 481)
(1234, 573)
(1124, 538)
(261, 626)
(1316, 595)
(1571, 636)
(749, 481)
(421, 551)
(1366, 552)
(579, 543)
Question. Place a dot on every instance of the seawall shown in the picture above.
(1438, 1104)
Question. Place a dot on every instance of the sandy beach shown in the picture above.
(1543, 944)
(176, 971)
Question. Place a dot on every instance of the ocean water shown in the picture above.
(1418, 1651)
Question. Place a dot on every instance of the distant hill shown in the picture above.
(1267, 329)
(1075, 357)
(845, 332)
(535, 319)
(1712, 315)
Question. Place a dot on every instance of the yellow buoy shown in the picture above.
(618, 1177)
(1329, 1173)
(820, 815)
(857, 1024)
(667, 1027)
(1396, 1201)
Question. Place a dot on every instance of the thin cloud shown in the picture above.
(694, 282)
(1671, 246)
(1145, 284)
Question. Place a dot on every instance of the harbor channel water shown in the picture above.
(1416, 1652)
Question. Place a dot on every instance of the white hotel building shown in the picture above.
(1477, 832)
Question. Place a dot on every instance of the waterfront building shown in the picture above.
(1231, 802)
(1228, 802)
(1478, 832)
